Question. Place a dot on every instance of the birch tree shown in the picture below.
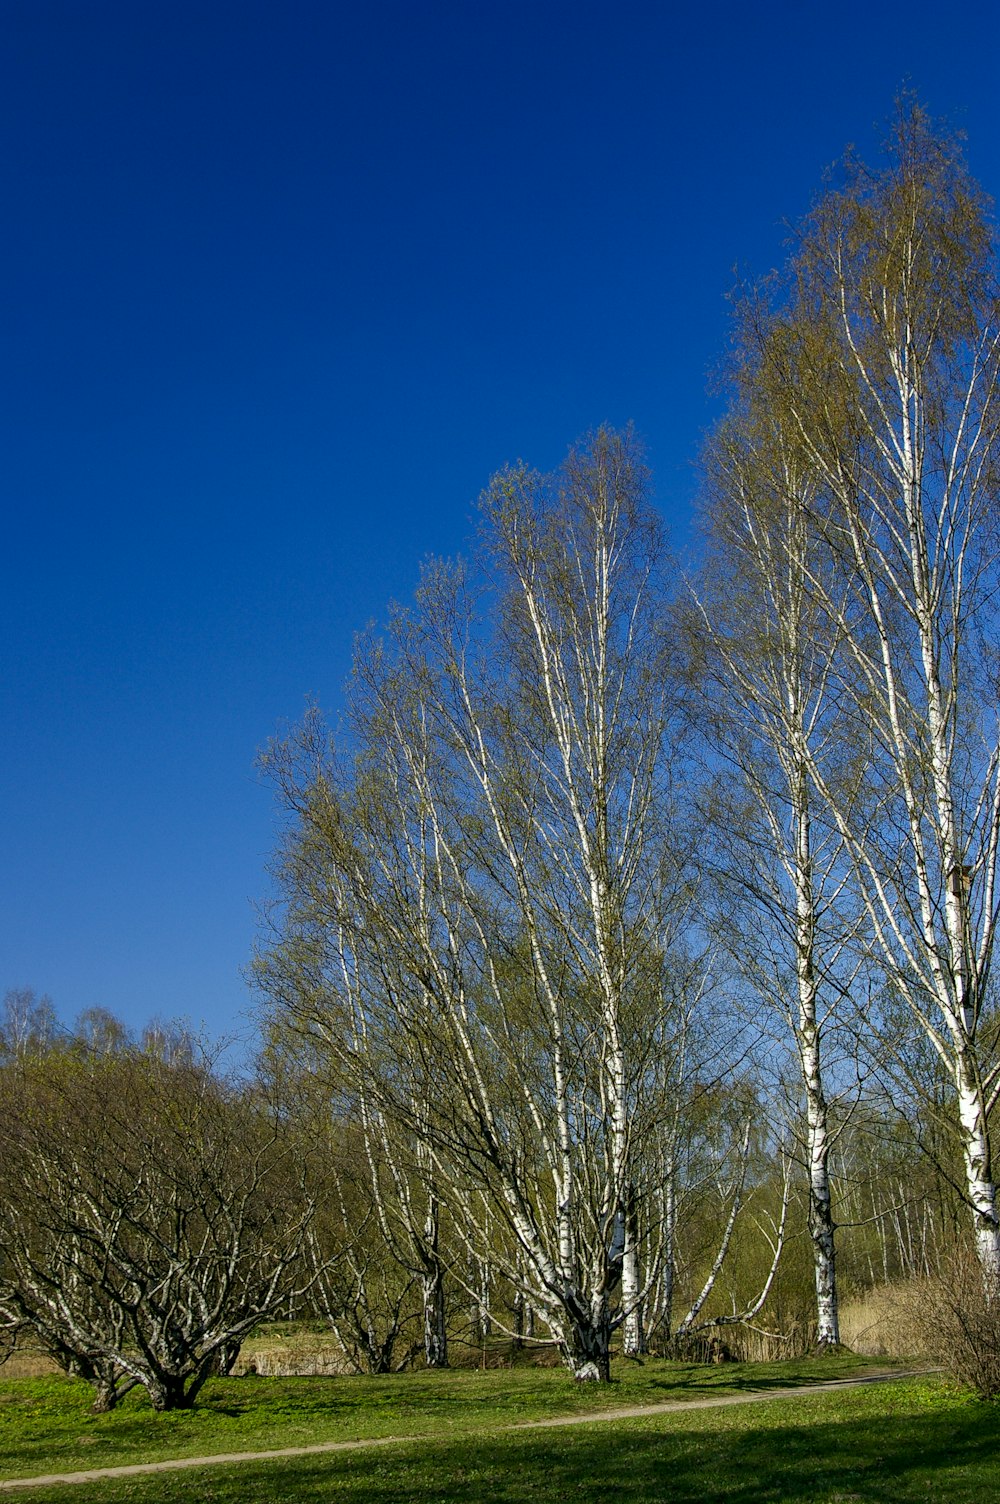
(764, 643)
(391, 1237)
(490, 907)
(887, 369)
(494, 878)
(367, 1290)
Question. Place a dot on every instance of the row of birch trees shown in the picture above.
(490, 924)
(610, 881)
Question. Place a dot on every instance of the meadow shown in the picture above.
(907, 1439)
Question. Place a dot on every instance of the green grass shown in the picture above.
(46, 1424)
(899, 1443)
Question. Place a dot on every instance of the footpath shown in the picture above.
(630, 1412)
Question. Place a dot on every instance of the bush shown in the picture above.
(957, 1324)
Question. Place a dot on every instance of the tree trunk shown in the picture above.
(106, 1379)
(517, 1341)
(226, 1356)
(587, 1351)
(821, 1223)
(485, 1319)
(435, 1331)
(167, 1392)
(821, 1231)
(379, 1355)
(667, 1283)
(979, 1176)
(105, 1397)
(633, 1333)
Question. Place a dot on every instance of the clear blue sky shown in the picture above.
(284, 284)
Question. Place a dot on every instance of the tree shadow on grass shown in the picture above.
(902, 1450)
(796, 1464)
(951, 1457)
(700, 1382)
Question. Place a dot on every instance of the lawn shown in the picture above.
(909, 1440)
(46, 1424)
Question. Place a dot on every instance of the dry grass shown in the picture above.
(870, 1325)
(304, 1351)
(952, 1320)
(945, 1318)
(877, 1323)
(28, 1365)
(275, 1353)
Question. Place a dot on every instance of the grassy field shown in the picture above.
(905, 1441)
(46, 1425)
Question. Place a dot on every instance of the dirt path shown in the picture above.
(627, 1412)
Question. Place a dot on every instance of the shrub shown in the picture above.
(955, 1321)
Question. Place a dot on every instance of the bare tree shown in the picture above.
(367, 1277)
(153, 1216)
(27, 1022)
(381, 1169)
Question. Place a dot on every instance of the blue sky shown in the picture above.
(284, 286)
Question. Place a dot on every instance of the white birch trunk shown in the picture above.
(633, 1333)
(666, 1319)
(432, 1288)
(978, 1174)
(821, 1225)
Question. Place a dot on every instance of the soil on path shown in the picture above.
(626, 1412)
